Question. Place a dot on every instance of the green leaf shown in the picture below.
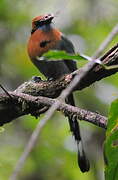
(58, 55)
(111, 144)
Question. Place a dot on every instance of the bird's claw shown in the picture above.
(50, 79)
(36, 79)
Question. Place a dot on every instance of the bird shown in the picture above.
(44, 37)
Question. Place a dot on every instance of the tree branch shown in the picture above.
(53, 89)
(28, 104)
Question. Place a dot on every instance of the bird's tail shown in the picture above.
(74, 128)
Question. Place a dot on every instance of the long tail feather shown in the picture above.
(74, 127)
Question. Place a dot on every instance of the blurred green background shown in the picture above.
(86, 23)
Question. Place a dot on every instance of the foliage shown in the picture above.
(111, 144)
(58, 55)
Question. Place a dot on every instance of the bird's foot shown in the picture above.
(37, 113)
(36, 79)
(50, 79)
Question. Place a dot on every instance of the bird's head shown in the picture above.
(41, 21)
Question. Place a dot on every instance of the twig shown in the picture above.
(5, 91)
(106, 42)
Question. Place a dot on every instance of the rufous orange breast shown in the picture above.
(41, 41)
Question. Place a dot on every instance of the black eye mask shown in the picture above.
(40, 23)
